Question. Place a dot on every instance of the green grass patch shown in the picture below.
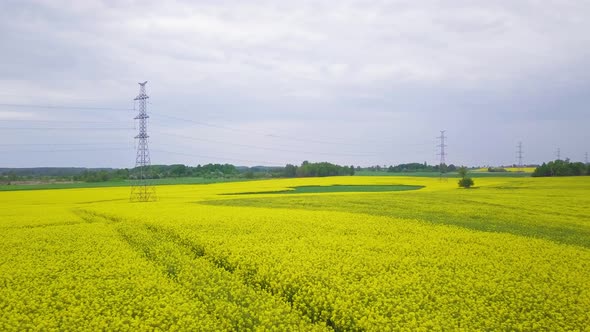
(519, 208)
(335, 189)
(125, 183)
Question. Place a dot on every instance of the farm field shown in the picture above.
(524, 169)
(511, 254)
(509, 169)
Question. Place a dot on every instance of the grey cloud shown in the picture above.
(389, 72)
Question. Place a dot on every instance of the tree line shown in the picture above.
(562, 168)
(322, 169)
(306, 169)
(412, 167)
(162, 172)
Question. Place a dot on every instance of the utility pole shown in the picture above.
(442, 165)
(586, 158)
(519, 154)
(558, 154)
(141, 190)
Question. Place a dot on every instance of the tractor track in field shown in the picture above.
(47, 225)
(85, 216)
(89, 216)
(188, 250)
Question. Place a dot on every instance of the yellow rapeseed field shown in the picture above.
(510, 254)
(518, 169)
(510, 169)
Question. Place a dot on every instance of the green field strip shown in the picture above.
(107, 184)
(479, 216)
(333, 189)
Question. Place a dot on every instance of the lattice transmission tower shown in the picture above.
(141, 189)
(442, 165)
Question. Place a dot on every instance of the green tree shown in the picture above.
(462, 171)
(465, 181)
(561, 168)
(177, 170)
(290, 171)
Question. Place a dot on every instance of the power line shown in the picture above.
(262, 162)
(339, 141)
(264, 148)
(558, 154)
(58, 144)
(67, 107)
(371, 153)
(64, 128)
(46, 98)
(298, 139)
(267, 163)
(66, 150)
(53, 121)
(201, 123)
(204, 124)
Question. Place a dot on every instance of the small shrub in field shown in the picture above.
(466, 182)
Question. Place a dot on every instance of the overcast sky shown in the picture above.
(275, 82)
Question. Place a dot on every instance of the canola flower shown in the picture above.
(499, 257)
(509, 169)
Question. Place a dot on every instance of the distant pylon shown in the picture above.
(586, 158)
(558, 154)
(442, 165)
(141, 190)
(519, 154)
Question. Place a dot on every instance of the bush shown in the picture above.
(466, 182)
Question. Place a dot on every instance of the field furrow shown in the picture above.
(209, 281)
